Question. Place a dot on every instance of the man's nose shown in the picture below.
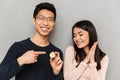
(46, 22)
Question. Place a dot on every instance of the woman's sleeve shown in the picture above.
(70, 71)
(100, 74)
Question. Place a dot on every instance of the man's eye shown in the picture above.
(41, 18)
(50, 19)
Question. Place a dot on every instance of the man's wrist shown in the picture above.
(20, 62)
(56, 72)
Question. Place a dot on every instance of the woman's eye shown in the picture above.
(80, 34)
(74, 35)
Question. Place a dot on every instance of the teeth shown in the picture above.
(44, 28)
(79, 42)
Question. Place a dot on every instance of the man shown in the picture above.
(29, 59)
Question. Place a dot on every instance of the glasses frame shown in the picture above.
(43, 19)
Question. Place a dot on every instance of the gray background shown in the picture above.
(16, 24)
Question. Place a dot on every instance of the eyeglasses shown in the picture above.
(43, 19)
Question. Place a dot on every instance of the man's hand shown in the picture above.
(29, 57)
(56, 63)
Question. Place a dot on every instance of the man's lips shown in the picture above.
(44, 28)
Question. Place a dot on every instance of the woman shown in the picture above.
(85, 60)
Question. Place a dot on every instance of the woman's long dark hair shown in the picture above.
(80, 54)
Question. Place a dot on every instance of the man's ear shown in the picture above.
(33, 20)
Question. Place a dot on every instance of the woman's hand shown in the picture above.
(92, 52)
(90, 57)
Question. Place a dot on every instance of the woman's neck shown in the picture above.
(86, 49)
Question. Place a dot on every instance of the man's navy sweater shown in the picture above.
(41, 70)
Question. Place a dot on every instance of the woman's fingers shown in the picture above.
(93, 48)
